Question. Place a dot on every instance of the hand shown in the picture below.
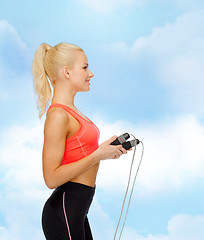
(107, 151)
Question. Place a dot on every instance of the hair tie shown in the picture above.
(48, 48)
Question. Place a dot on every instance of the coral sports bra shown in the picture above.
(83, 142)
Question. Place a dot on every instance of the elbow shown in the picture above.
(50, 186)
(50, 183)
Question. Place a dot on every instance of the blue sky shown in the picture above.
(148, 58)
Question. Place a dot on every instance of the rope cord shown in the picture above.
(128, 185)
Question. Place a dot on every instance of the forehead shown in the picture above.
(81, 58)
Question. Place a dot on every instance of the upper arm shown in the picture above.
(55, 131)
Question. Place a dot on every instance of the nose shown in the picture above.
(91, 74)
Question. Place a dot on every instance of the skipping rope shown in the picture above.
(132, 188)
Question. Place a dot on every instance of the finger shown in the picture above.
(111, 139)
(123, 150)
(119, 152)
(115, 156)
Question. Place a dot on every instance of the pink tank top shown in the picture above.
(83, 142)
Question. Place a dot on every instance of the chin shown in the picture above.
(85, 90)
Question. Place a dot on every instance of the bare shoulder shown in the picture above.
(57, 121)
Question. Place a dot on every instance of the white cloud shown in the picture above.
(22, 190)
(106, 6)
(15, 62)
(186, 227)
(186, 4)
(179, 227)
(6, 31)
(98, 217)
(14, 52)
(174, 56)
(172, 157)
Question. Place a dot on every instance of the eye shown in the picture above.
(85, 66)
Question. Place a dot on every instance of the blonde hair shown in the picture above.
(46, 63)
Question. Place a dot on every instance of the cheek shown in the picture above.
(84, 74)
(76, 76)
(79, 76)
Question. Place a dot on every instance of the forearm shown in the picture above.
(65, 173)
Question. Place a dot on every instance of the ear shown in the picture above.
(66, 72)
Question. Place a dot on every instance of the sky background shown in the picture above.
(148, 61)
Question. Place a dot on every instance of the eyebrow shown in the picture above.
(86, 64)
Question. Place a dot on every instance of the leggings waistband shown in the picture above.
(77, 187)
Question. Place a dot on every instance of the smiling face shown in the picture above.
(80, 74)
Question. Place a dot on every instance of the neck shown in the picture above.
(63, 95)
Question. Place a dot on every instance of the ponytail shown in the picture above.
(46, 63)
(41, 84)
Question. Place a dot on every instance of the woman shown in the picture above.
(71, 154)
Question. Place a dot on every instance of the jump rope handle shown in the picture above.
(122, 140)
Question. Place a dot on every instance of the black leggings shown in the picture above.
(65, 213)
